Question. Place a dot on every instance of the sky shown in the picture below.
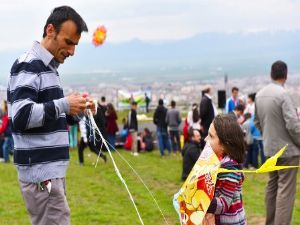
(22, 22)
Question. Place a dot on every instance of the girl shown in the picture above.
(111, 124)
(193, 117)
(227, 140)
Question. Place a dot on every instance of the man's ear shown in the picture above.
(50, 31)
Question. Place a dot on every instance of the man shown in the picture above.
(232, 102)
(87, 140)
(207, 110)
(275, 116)
(147, 101)
(159, 119)
(191, 152)
(238, 112)
(173, 120)
(133, 127)
(100, 121)
(39, 113)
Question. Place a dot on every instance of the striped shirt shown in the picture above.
(227, 204)
(37, 109)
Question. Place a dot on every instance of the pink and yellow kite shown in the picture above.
(195, 195)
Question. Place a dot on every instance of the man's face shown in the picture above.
(134, 107)
(235, 94)
(196, 136)
(62, 44)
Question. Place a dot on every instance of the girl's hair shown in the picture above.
(195, 113)
(231, 136)
(110, 108)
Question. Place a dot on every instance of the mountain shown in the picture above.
(204, 56)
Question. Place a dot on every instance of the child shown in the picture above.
(227, 140)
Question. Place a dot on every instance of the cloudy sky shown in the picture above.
(149, 20)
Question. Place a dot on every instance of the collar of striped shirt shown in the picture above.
(44, 54)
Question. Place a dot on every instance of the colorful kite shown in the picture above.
(195, 195)
(99, 36)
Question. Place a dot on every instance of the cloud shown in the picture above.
(147, 20)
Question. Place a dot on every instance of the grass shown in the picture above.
(97, 196)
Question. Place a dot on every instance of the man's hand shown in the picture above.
(92, 105)
(77, 104)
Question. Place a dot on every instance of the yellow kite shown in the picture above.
(195, 195)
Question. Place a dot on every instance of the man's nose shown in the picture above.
(71, 50)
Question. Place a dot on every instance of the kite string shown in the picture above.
(135, 172)
(95, 128)
(151, 194)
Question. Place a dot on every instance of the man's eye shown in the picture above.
(68, 42)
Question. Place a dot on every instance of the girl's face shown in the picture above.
(214, 141)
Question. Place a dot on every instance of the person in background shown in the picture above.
(246, 127)
(173, 120)
(73, 135)
(232, 102)
(191, 152)
(103, 104)
(146, 140)
(147, 101)
(257, 147)
(159, 119)
(100, 121)
(87, 140)
(6, 130)
(250, 107)
(111, 124)
(124, 131)
(237, 113)
(193, 117)
(208, 111)
(1, 137)
(133, 127)
(276, 118)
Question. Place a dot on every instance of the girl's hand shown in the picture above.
(209, 219)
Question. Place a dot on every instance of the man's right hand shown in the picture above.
(77, 104)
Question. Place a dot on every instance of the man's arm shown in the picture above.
(256, 119)
(292, 122)
(26, 112)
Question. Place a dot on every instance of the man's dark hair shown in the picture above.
(252, 96)
(206, 90)
(195, 111)
(231, 136)
(240, 108)
(60, 15)
(247, 116)
(279, 70)
(103, 99)
(234, 89)
(173, 104)
(134, 103)
(160, 102)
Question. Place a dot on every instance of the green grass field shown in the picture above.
(97, 196)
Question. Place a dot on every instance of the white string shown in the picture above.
(100, 151)
(95, 128)
(151, 194)
(122, 157)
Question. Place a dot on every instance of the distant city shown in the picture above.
(185, 92)
(177, 70)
